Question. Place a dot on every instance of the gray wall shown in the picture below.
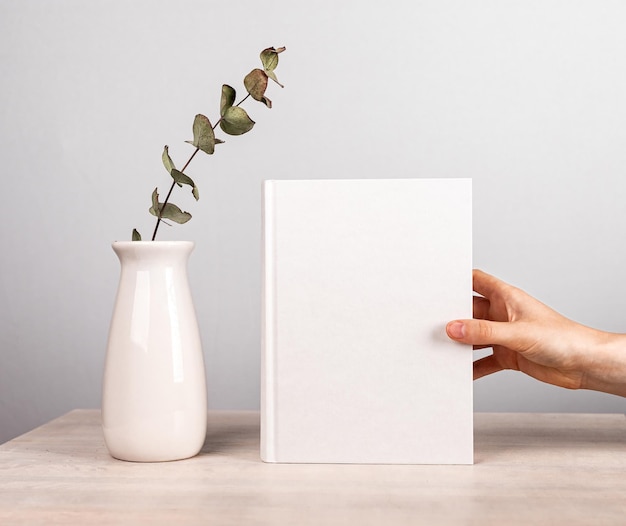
(528, 98)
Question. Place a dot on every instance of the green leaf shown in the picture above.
(167, 160)
(155, 203)
(269, 59)
(256, 84)
(182, 179)
(203, 136)
(168, 211)
(272, 75)
(236, 121)
(136, 235)
(171, 211)
(228, 98)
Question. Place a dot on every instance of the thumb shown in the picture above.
(482, 332)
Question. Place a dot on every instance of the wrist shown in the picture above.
(606, 371)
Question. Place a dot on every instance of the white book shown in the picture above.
(360, 279)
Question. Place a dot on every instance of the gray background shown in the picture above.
(525, 97)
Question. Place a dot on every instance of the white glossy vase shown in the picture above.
(154, 400)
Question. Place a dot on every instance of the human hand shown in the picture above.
(528, 336)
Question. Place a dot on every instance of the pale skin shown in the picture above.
(530, 337)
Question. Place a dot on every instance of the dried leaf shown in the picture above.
(167, 160)
(136, 235)
(172, 212)
(269, 59)
(203, 136)
(228, 98)
(182, 179)
(256, 84)
(236, 121)
(272, 75)
(155, 203)
(168, 211)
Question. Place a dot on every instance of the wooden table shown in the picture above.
(530, 469)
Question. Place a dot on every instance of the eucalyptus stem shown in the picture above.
(159, 218)
(238, 104)
(233, 121)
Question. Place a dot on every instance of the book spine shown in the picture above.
(268, 325)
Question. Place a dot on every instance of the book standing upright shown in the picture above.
(360, 279)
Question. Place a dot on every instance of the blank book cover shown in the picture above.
(360, 279)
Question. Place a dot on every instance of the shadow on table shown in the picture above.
(227, 432)
(530, 437)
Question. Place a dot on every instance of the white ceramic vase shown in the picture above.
(154, 400)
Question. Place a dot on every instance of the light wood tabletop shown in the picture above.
(529, 469)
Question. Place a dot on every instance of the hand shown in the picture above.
(528, 336)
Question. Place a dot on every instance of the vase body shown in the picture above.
(154, 399)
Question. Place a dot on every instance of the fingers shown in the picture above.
(485, 366)
(484, 332)
(486, 284)
(481, 308)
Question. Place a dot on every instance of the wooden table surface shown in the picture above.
(531, 469)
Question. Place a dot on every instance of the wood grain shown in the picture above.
(530, 469)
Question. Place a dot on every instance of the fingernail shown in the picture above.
(456, 330)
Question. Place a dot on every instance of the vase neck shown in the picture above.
(153, 252)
